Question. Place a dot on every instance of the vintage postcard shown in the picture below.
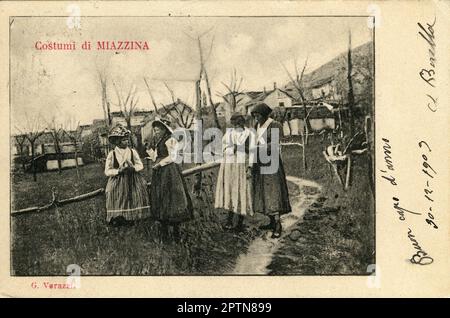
(225, 149)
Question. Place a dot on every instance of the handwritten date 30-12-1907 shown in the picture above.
(430, 173)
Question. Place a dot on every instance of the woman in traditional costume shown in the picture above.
(270, 191)
(233, 191)
(126, 191)
(170, 200)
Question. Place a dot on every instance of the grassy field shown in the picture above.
(45, 243)
(336, 236)
(337, 232)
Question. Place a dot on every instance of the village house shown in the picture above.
(326, 92)
(46, 156)
(244, 101)
(325, 89)
(273, 98)
(320, 117)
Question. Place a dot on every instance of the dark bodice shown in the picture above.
(161, 148)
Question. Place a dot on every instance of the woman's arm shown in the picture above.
(138, 166)
(109, 166)
(227, 144)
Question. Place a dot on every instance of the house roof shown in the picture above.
(260, 96)
(254, 95)
(322, 82)
(290, 95)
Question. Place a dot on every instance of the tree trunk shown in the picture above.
(198, 147)
(306, 131)
(33, 163)
(105, 103)
(76, 160)
(348, 174)
(198, 151)
(351, 98)
(22, 157)
(370, 170)
(304, 152)
(351, 101)
(58, 154)
(216, 119)
(108, 109)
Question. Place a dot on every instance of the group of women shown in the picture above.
(243, 187)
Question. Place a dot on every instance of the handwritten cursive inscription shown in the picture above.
(427, 33)
(388, 162)
(420, 257)
(428, 73)
(401, 211)
(430, 173)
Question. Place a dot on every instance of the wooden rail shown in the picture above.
(89, 195)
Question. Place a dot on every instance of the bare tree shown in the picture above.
(178, 111)
(32, 131)
(20, 144)
(151, 95)
(204, 74)
(127, 105)
(349, 140)
(351, 102)
(298, 84)
(234, 93)
(105, 102)
(73, 131)
(57, 133)
(208, 86)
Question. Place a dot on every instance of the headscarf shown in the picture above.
(238, 119)
(262, 109)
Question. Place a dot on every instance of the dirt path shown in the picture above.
(261, 250)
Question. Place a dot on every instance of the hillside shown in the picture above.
(336, 70)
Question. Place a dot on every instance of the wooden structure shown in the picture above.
(48, 158)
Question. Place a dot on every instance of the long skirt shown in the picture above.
(233, 190)
(169, 196)
(270, 191)
(127, 196)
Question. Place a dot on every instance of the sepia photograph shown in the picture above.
(192, 145)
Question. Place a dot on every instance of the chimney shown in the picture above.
(264, 89)
(274, 85)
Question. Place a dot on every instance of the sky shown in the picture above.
(64, 85)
